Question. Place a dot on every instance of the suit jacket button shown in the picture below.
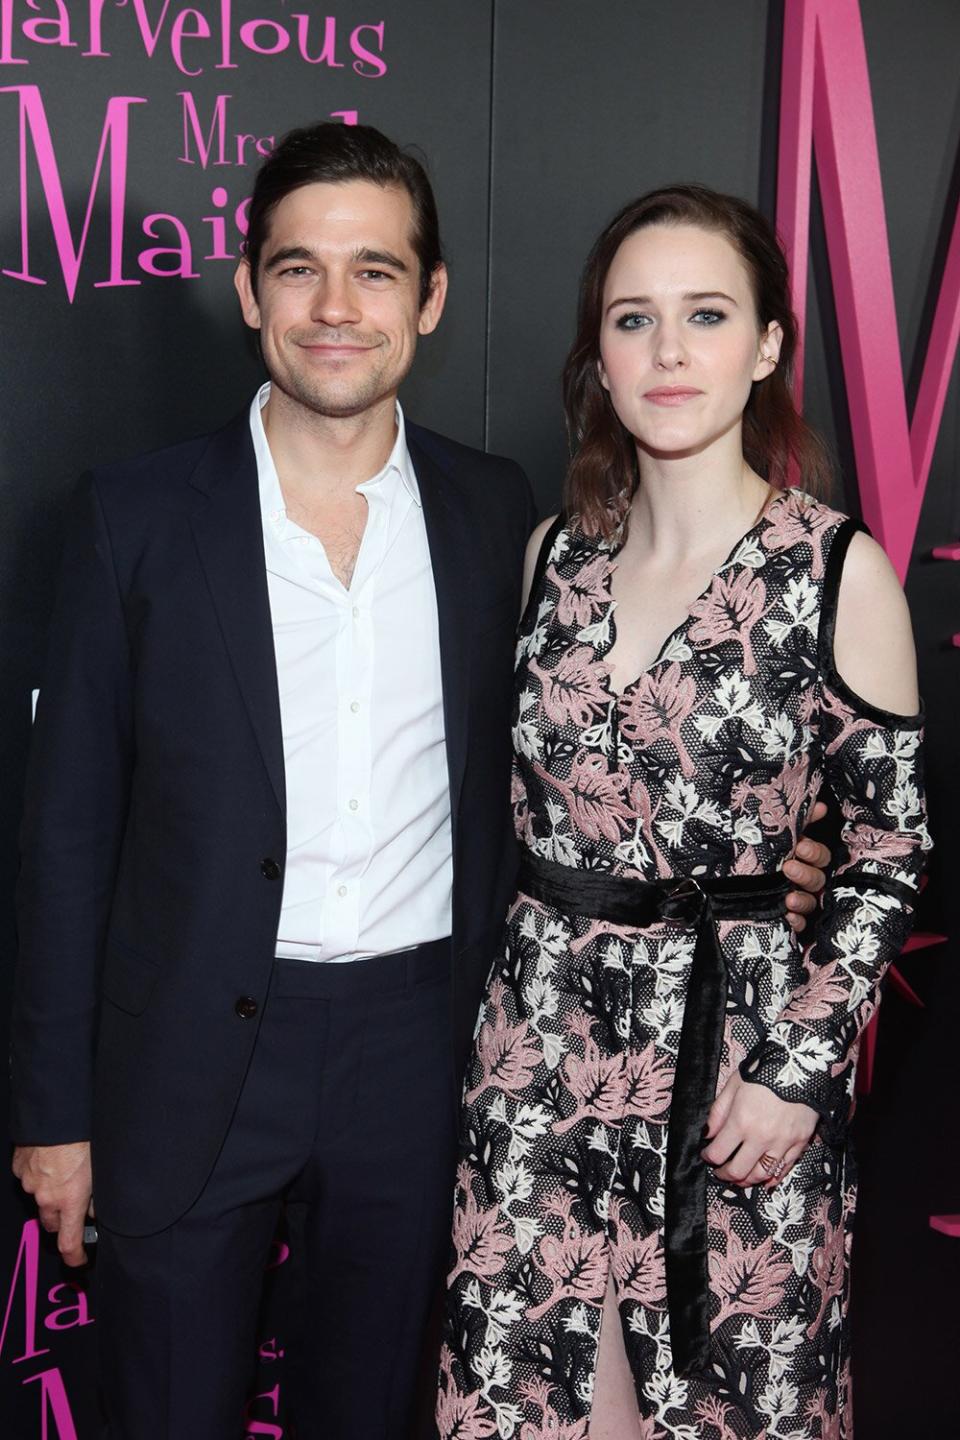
(269, 869)
(246, 1007)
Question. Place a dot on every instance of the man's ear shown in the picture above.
(432, 307)
(243, 284)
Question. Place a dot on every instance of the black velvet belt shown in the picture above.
(696, 903)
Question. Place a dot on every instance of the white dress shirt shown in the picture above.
(369, 866)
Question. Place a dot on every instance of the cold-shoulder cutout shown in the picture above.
(867, 655)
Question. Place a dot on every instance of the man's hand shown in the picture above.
(806, 868)
(748, 1123)
(60, 1180)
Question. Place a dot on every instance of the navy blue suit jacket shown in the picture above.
(153, 840)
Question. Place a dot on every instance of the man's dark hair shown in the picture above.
(330, 153)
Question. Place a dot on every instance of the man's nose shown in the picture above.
(333, 302)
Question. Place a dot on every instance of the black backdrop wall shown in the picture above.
(538, 120)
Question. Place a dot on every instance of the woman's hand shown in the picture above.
(748, 1122)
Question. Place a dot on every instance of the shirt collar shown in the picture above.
(271, 495)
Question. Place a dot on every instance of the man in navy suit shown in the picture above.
(266, 845)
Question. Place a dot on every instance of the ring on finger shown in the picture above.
(771, 1163)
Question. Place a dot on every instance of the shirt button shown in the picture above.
(269, 869)
(354, 804)
(341, 891)
(356, 612)
(354, 707)
(246, 1007)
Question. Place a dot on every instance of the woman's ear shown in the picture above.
(768, 353)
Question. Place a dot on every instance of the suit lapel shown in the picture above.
(229, 536)
(448, 536)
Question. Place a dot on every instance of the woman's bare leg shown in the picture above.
(614, 1414)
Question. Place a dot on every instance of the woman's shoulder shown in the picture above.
(559, 538)
(804, 531)
(862, 561)
(865, 633)
(797, 503)
(538, 551)
(563, 532)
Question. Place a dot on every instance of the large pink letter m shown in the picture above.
(826, 109)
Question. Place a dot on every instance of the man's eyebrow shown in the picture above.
(381, 257)
(289, 252)
(363, 254)
(694, 295)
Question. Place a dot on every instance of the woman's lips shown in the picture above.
(671, 395)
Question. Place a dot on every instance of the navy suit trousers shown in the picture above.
(347, 1114)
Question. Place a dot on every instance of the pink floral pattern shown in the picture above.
(730, 610)
(655, 708)
(707, 763)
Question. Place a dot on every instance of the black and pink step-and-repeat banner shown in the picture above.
(130, 130)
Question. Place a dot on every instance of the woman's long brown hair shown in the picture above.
(603, 474)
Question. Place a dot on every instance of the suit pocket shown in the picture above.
(128, 978)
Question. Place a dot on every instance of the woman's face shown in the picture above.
(680, 343)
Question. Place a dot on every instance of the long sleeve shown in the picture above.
(873, 765)
(74, 813)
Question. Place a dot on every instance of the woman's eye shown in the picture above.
(708, 317)
(632, 321)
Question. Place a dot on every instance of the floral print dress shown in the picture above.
(706, 765)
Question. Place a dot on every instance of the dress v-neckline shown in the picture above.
(776, 498)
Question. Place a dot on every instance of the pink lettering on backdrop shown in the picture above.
(6, 35)
(50, 29)
(190, 36)
(264, 37)
(73, 1308)
(150, 34)
(218, 226)
(189, 25)
(54, 1406)
(216, 131)
(826, 109)
(113, 138)
(95, 48)
(26, 1270)
(256, 1426)
(327, 55)
(368, 63)
(171, 261)
(279, 1254)
(167, 260)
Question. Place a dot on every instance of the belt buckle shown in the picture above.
(682, 905)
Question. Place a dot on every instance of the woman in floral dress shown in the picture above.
(654, 1122)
